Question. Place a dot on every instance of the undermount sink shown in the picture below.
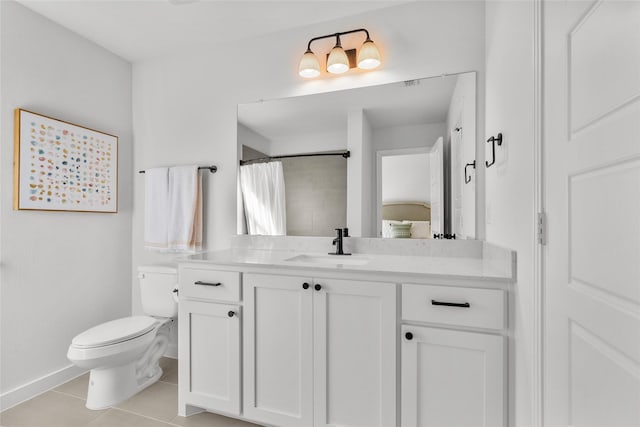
(330, 259)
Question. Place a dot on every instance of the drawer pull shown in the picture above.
(199, 282)
(451, 304)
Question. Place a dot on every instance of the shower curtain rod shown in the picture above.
(345, 154)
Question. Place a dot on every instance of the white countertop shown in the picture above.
(382, 265)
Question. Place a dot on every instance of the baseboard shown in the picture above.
(39, 386)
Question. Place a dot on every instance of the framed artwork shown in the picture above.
(60, 166)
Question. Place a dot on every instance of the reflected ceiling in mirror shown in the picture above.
(409, 142)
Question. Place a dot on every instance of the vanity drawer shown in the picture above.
(479, 308)
(210, 284)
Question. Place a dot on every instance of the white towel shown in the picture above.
(184, 226)
(156, 208)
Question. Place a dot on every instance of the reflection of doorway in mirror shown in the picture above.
(404, 192)
(368, 121)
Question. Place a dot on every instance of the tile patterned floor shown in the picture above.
(156, 406)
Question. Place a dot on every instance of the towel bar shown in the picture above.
(212, 169)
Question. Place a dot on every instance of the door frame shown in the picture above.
(387, 153)
(539, 252)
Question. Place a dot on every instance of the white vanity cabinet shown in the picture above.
(209, 319)
(403, 343)
(319, 352)
(453, 377)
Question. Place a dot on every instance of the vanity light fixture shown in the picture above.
(339, 60)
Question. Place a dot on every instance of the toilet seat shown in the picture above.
(114, 332)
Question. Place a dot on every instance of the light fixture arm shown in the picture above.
(337, 36)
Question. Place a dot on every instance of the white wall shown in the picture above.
(184, 108)
(252, 139)
(406, 178)
(361, 181)
(368, 185)
(313, 142)
(462, 113)
(510, 182)
(61, 272)
(410, 136)
(355, 186)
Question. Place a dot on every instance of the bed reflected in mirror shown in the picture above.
(404, 177)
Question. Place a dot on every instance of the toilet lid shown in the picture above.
(114, 331)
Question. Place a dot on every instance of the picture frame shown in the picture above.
(61, 166)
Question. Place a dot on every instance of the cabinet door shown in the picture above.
(452, 378)
(209, 350)
(278, 359)
(355, 353)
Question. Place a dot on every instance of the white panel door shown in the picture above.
(209, 365)
(452, 378)
(437, 188)
(457, 180)
(592, 187)
(278, 358)
(355, 353)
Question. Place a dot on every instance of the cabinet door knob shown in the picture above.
(408, 336)
(231, 313)
(305, 285)
(317, 287)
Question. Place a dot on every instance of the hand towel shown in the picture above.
(156, 208)
(184, 225)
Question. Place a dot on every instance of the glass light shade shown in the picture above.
(309, 65)
(337, 62)
(369, 56)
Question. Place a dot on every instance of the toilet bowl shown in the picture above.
(123, 354)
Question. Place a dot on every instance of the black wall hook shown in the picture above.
(494, 140)
(467, 178)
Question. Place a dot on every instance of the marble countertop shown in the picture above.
(480, 268)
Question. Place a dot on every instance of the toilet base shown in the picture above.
(110, 386)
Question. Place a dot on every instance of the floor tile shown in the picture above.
(168, 363)
(170, 377)
(50, 409)
(169, 370)
(245, 424)
(76, 387)
(208, 419)
(118, 418)
(159, 401)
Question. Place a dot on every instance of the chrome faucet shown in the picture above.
(338, 242)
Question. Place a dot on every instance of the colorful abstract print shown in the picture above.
(67, 167)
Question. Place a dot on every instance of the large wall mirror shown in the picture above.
(393, 161)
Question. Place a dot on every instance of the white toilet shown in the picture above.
(123, 354)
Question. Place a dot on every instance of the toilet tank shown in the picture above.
(157, 283)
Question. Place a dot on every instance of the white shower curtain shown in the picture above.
(262, 187)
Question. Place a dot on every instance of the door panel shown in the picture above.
(355, 365)
(278, 358)
(210, 356)
(437, 187)
(452, 378)
(458, 179)
(592, 196)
